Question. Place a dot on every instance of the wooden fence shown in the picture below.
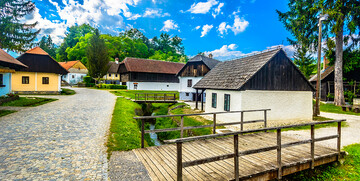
(279, 146)
(182, 128)
(155, 97)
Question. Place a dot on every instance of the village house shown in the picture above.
(76, 70)
(145, 74)
(42, 75)
(8, 65)
(266, 80)
(193, 71)
(112, 75)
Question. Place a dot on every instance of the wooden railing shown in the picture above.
(182, 128)
(155, 97)
(236, 154)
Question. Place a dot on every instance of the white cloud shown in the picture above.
(205, 29)
(169, 25)
(222, 29)
(198, 27)
(154, 13)
(240, 25)
(232, 46)
(226, 52)
(202, 7)
(217, 11)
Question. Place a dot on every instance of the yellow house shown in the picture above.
(112, 76)
(42, 76)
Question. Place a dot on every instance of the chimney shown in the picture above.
(210, 55)
(117, 60)
(325, 63)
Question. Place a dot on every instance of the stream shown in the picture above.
(153, 136)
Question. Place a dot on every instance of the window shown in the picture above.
(82, 76)
(189, 83)
(135, 86)
(227, 102)
(116, 75)
(25, 80)
(73, 76)
(1, 80)
(64, 76)
(45, 80)
(187, 94)
(213, 100)
(109, 75)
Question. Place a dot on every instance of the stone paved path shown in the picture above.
(61, 140)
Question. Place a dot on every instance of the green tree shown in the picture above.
(304, 61)
(78, 52)
(97, 56)
(14, 34)
(302, 19)
(47, 45)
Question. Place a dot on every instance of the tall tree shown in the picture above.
(48, 46)
(302, 19)
(15, 35)
(304, 61)
(97, 56)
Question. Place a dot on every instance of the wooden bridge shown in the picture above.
(155, 98)
(261, 154)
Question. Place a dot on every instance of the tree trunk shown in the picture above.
(339, 88)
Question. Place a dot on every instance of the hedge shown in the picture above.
(111, 86)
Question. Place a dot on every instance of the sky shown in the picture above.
(225, 28)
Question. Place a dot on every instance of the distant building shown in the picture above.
(267, 80)
(145, 74)
(193, 71)
(112, 75)
(8, 66)
(76, 70)
(42, 75)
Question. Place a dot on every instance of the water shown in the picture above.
(154, 137)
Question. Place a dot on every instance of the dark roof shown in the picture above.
(38, 61)
(151, 66)
(209, 62)
(113, 67)
(324, 74)
(7, 60)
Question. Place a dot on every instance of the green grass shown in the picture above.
(349, 170)
(29, 102)
(131, 93)
(124, 130)
(67, 91)
(335, 109)
(5, 112)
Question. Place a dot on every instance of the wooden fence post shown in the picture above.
(142, 132)
(182, 126)
(278, 131)
(339, 140)
(265, 120)
(312, 147)
(164, 97)
(179, 161)
(174, 96)
(236, 156)
(214, 124)
(242, 121)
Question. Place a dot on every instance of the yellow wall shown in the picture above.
(112, 77)
(35, 77)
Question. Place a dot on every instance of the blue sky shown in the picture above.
(225, 28)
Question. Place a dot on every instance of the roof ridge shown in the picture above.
(152, 60)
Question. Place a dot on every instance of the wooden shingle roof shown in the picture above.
(209, 62)
(7, 60)
(235, 73)
(151, 66)
(113, 67)
(324, 74)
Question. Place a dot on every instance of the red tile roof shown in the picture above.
(68, 64)
(37, 50)
(151, 66)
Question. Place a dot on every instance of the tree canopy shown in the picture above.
(15, 35)
(48, 46)
(97, 56)
(304, 61)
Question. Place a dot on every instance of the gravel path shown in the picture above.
(61, 140)
(349, 134)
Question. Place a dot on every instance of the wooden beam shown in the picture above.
(236, 157)
(202, 99)
(142, 132)
(214, 124)
(312, 147)
(182, 126)
(278, 136)
(179, 161)
(339, 140)
(196, 98)
(242, 121)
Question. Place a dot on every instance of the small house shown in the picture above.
(8, 66)
(112, 75)
(77, 71)
(42, 75)
(145, 74)
(266, 80)
(193, 71)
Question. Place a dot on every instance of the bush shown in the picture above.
(88, 80)
(89, 84)
(111, 86)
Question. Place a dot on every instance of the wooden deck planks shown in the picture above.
(160, 161)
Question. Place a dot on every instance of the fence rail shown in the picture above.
(214, 125)
(279, 146)
(155, 97)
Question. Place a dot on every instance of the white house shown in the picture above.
(77, 71)
(267, 80)
(193, 71)
(145, 74)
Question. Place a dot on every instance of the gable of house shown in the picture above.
(199, 65)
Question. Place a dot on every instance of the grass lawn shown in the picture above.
(349, 170)
(5, 112)
(67, 91)
(124, 130)
(335, 109)
(29, 102)
(131, 93)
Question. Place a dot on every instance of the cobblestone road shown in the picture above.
(61, 140)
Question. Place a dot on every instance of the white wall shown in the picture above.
(153, 86)
(184, 81)
(77, 78)
(284, 105)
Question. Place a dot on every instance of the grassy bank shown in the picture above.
(349, 170)
(131, 93)
(67, 91)
(29, 102)
(5, 112)
(335, 109)
(124, 130)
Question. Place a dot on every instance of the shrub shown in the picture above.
(88, 80)
(89, 84)
(111, 86)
